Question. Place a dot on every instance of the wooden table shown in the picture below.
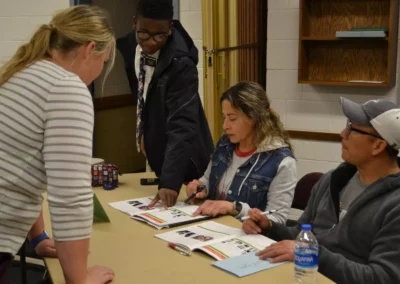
(131, 250)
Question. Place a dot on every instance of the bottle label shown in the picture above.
(306, 260)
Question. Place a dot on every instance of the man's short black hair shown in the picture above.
(392, 152)
(155, 9)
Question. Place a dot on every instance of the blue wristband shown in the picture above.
(36, 240)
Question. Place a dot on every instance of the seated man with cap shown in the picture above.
(354, 210)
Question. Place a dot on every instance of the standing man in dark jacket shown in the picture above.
(172, 130)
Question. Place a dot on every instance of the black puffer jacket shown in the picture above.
(177, 138)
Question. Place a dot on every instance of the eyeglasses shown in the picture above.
(350, 129)
(146, 36)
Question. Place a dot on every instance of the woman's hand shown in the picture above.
(99, 275)
(192, 188)
(46, 248)
(214, 208)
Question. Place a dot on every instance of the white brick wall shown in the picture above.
(306, 107)
(20, 18)
(316, 156)
(191, 18)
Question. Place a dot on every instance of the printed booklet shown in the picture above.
(217, 240)
(157, 216)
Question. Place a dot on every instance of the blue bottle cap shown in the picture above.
(306, 227)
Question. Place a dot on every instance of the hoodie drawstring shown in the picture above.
(240, 188)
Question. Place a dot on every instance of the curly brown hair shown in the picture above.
(251, 99)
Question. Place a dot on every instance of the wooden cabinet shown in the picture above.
(327, 60)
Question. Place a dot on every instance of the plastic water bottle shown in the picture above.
(306, 257)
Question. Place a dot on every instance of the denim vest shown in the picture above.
(262, 167)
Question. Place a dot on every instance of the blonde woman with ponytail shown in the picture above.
(46, 128)
(253, 165)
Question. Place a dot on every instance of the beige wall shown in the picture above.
(115, 139)
(121, 13)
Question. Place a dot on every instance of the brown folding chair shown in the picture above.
(302, 193)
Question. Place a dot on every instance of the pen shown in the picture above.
(181, 250)
(269, 212)
(199, 189)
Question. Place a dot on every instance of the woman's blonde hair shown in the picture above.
(252, 100)
(68, 30)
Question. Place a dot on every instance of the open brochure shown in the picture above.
(157, 216)
(133, 206)
(217, 240)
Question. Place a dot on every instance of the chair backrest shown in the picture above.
(303, 189)
(25, 270)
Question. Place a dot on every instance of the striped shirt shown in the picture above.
(46, 128)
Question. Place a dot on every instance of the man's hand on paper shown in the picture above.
(214, 208)
(257, 223)
(167, 196)
(278, 252)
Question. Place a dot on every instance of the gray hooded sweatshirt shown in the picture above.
(364, 247)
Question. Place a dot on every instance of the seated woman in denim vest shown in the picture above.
(253, 165)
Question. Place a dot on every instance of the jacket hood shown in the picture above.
(345, 171)
(271, 143)
(268, 144)
(184, 45)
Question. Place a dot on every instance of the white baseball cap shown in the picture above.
(382, 115)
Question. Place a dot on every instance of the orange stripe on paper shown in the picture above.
(217, 253)
(155, 219)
